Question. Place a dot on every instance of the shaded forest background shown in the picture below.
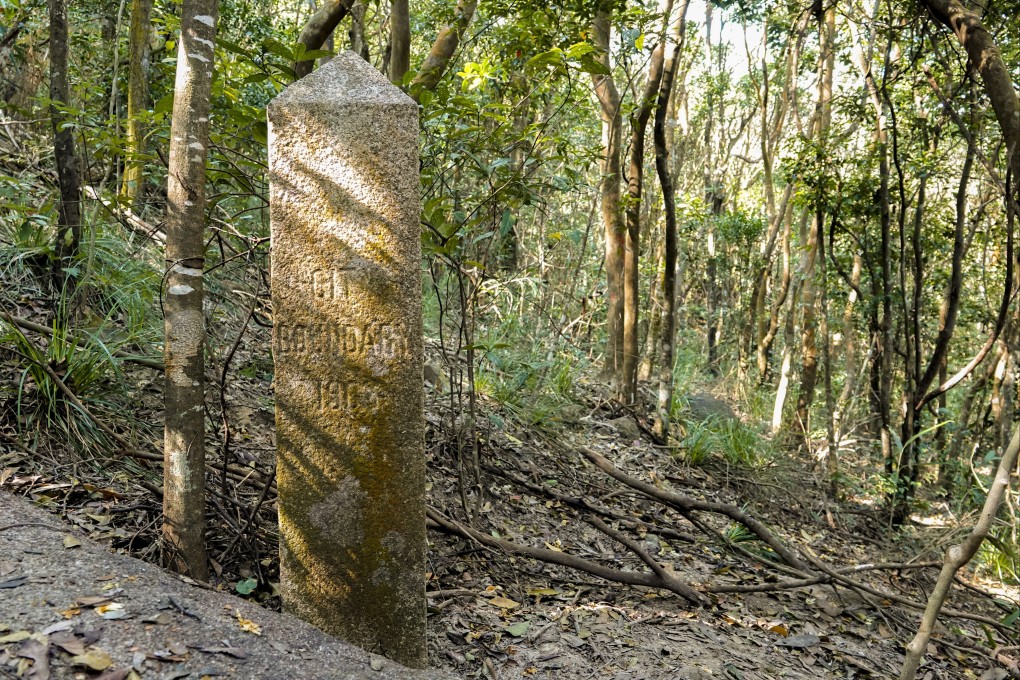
(802, 213)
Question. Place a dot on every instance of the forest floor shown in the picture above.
(497, 613)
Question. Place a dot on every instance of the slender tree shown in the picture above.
(184, 347)
(139, 55)
(609, 193)
(68, 177)
(400, 40)
(635, 181)
(664, 402)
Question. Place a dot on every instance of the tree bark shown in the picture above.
(441, 54)
(610, 203)
(631, 290)
(68, 179)
(400, 40)
(184, 437)
(318, 28)
(667, 338)
(809, 290)
(139, 55)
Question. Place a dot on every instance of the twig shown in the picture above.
(31, 524)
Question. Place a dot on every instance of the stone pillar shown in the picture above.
(347, 341)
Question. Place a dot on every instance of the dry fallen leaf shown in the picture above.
(95, 658)
(71, 542)
(16, 636)
(248, 625)
(504, 603)
(39, 652)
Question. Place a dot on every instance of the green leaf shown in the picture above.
(278, 48)
(247, 586)
(232, 47)
(255, 78)
(578, 50)
(589, 64)
(518, 629)
(165, 105)
(553, 57)
(640, 42)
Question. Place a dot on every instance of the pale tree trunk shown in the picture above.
(771, 133)
(68, 180)
(655, 312)
(439, 57)
(786, 365)
(767, 331)
(139, 55)
(846, 397)
(609, 192)
(809, 290)
(635, 181)
(400, 40)
(667, 338)
(184, 439)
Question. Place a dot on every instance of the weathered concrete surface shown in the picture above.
(347, 340)
(183, 619)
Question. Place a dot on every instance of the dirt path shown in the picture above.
(70, 607)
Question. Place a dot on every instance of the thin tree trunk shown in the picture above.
(846, 397)
(400, 40)
(68, 180)
(609, 191)
(668, 329)
(139, 55)
(635, 181)
(656, 309)
(809, 292)
(184, 440)
(786, 366)
(441, 54)
(318, 28)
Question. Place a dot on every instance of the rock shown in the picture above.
(703, 406)
(627, 428)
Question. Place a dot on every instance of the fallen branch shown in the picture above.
(686, 504)
(647, 580)
(675, 585)
(847, 582)
(580, 503)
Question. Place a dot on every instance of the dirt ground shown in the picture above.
(495, 613)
